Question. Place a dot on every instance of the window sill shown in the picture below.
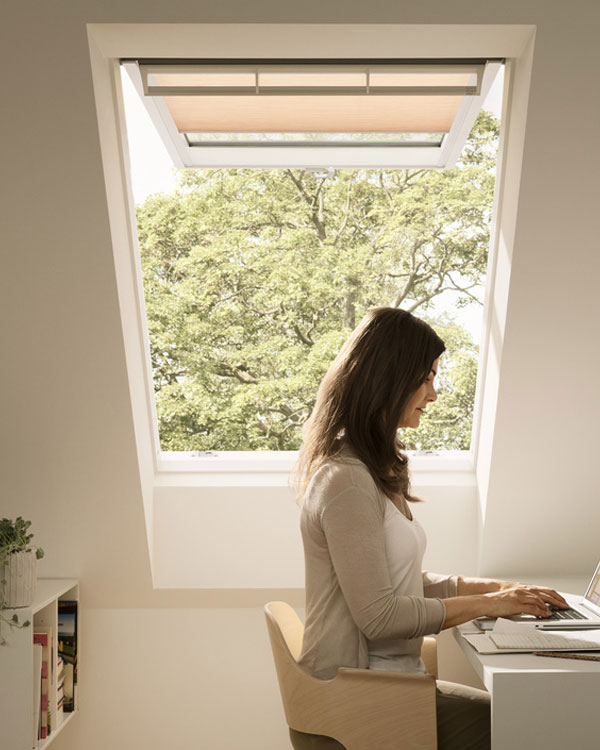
(273, 468)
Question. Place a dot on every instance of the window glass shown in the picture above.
(253, 279)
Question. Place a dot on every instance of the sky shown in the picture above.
(152, 171)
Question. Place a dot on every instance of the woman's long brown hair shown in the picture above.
(364, 394)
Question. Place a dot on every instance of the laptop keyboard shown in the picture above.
(564, 614)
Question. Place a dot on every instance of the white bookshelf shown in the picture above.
(16, 667)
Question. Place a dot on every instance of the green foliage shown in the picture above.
(447, 423)
(254, 278)
(13, 538)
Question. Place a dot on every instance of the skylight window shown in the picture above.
(352, 113)
(254, 277)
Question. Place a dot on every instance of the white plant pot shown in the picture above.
(19, 573)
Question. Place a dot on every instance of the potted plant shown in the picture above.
(18, 560)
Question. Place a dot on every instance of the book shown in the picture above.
(43, 636)
(60, 694)
(67, 650)
(37, 690)
(68, 692)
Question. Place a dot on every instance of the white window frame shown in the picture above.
(111, 42)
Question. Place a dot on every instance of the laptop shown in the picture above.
(583, 613)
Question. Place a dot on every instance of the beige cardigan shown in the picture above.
(349, 595)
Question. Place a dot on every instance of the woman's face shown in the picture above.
(417, 403)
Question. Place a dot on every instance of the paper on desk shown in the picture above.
(484, 644)
(502, 625)
(481, 642)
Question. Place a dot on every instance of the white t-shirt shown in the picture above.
(405, 544)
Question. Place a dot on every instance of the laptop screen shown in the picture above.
(593, 592)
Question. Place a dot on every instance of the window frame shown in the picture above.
(109, 43)
(282, 462)
(216, 462)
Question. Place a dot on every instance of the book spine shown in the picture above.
(37, 691)
(44, 725)
(67, 649)
(43, 637)
(60, 693)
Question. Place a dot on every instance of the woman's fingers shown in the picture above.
(541, 608)
(557, 599)
(549, 595)
(533, 602)
(524, 599)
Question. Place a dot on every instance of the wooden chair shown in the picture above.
(363, 709)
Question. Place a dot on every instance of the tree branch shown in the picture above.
(414, 267)
(236, 372)
(465, 290)
(311, 201)
(304, 338)
(342, 226)
(387, 193)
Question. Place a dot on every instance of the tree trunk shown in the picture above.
(350, 309)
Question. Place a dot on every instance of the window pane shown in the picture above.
(331, 139)
(254, 278)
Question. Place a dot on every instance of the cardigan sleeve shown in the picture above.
(353, 527)
(440, 586)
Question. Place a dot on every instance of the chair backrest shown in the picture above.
(309, 704)
(289, 624)
(285, 633)
(360, 708)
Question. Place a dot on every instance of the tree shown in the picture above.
(254, 278)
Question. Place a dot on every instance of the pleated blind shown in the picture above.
(310, 101)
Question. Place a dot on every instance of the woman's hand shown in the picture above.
(501, 599)
(470, 586)
(517, 599)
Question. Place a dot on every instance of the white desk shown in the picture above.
(538, 703)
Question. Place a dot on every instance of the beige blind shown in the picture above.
(341, 98)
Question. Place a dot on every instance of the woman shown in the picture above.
(368, 602)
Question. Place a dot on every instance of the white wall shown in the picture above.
(250, 538)
(68, 451)
(177, 679)
(542, 509)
